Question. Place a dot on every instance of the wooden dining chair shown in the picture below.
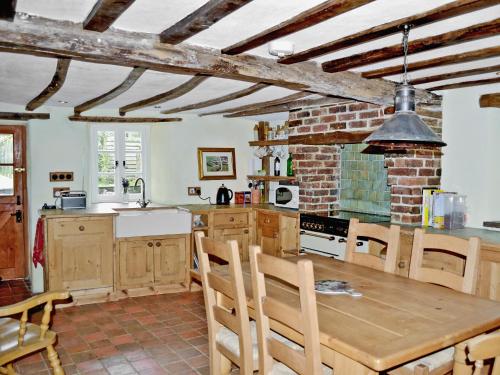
(485, 347)
(277, 354)
(229, 331)
(467, 249)
(388, 236)
(19, 337)
(441, 362)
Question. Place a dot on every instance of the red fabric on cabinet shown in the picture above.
(38, 257)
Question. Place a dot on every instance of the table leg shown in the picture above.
(346, 366)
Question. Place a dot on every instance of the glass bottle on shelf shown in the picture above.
(256, 132)
(289, 166)
(277, 166)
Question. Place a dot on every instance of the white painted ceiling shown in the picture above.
(23, 77)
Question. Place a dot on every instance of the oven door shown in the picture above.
(322, 244)
(283, 196)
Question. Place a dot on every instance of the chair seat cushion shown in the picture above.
(9, 335)
(434, 360)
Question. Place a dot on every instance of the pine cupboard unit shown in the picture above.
(277, 233)
(232, 225)
(79, 252)
(152, 262)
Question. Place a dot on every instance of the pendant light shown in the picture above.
(405, 129)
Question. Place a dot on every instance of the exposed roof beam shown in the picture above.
(467, 34)
(201, 19)
(123, 119)
(287, 106)
(310, 17)
(22, 116)
(118, 90)
(462, 73)
(38, 36)
(165, 96)
(330, 138)
(226, 98)
(459, 85)
(248, 107)
(8, 10)
(490, 100)
(438, 61)
(443, 12)
(54, 85)
(104, 13)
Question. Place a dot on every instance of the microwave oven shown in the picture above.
(284, 194)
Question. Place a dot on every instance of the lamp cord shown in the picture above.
(406, 33)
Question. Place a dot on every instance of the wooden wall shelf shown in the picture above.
(274, 142)
(271, 178)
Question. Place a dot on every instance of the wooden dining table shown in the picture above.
(396, 320)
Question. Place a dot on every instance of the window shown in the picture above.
(120, 157)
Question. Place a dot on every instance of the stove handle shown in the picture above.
(342, 240)
(359, 243)
(329, 238)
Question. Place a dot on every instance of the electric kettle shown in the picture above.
(224, 195)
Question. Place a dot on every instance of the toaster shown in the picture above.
(73, 199)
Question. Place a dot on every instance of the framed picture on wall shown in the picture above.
(216, 163)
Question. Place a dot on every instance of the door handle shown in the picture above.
(19, 170)
(19, 216)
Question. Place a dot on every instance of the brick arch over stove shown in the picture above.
(318, 168)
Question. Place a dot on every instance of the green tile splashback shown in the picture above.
(363, 181)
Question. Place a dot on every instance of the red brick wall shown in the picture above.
(318, 167)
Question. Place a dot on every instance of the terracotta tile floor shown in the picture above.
(165, 334)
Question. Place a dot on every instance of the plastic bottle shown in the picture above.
(289, 166)
(256, 132)
(277, 166)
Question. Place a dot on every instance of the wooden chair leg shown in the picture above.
(421, 370)
(225, 366)
(55, 363)
(10, 369)
(461, 365)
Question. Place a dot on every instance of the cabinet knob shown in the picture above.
(267, 220)
(275, 235)
(231, 219)
(402, 264)
(150, 244)
(81, 228)
(158, 244)
(245, 231)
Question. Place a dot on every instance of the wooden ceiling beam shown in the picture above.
(459, 85)
(467, 34)
(165, 96)
(133, 76)
(336, 137)
(226, 98)
(126, 120)
(490, 100)
(310, 17)
(249, 107)
(201, 19)
(286, 107)
(23, 116)
(462, 73)
(8, 10)
(104, 13)
(459, 58)
(54, 85)
(50, 38)
(453, 9)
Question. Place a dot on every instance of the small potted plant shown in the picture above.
(125, 185)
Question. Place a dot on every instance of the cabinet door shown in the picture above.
(241, 235)
(268, 235)
(136, 263)
(170, 260)
(80, 253)
(289, 235)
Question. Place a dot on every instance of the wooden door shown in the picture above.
(268, 236)
(13, 207)
(136, 263)
(289, 235)
(241, 235)
(80, 253)
(170, 256)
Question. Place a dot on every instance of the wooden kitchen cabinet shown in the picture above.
(277, 233)
(79, 253)
(240, 235)
(152, 261)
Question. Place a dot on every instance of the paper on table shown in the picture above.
(334, 287)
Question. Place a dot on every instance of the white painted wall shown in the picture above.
(470, 161)
(58, 144)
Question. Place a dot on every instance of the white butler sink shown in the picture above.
(152, 222)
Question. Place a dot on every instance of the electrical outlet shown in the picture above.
(56, 192)
(194, 190)
(60, 176)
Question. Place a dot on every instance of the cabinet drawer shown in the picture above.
(268, 220)
(231, 220)
(70, 227)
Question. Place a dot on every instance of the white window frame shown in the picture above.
(120, 149)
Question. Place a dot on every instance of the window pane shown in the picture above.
(133, 189)
(106, 140)
(6, 180)
(6, 148)
(133, 151)
(106, 162)
(106, 184)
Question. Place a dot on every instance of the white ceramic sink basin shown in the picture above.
(152, 222)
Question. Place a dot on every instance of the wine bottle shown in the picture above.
(277, 166)
(289, 166)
